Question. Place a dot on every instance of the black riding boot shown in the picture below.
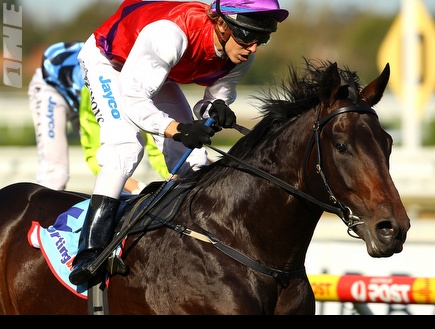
(96, 234)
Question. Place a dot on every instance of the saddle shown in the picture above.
(159, 214)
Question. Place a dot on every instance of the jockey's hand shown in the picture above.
(223, 115)
(194, 135)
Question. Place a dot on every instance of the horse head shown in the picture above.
(350, 157)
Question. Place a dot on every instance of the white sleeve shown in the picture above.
(224, 88)
(158, 47)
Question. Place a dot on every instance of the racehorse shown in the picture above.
(319, 146)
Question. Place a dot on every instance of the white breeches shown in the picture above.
(122, 146)
(51, 114)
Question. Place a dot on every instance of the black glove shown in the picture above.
(223, 115)
(194, 135)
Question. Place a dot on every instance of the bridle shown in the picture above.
(342, 210)
(339, 208)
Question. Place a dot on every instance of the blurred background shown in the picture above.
(361, 34)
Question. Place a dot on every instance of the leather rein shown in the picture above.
(339, 208)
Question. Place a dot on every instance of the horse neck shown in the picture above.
(255, 215)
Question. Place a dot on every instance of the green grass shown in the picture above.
(25, 136)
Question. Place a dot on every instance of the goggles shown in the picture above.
(246, 37)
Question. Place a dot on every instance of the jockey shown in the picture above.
(133, 65)
(54, 99)
(57, 95)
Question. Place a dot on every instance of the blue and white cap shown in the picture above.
(61, 69)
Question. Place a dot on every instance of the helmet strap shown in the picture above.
(223, 38)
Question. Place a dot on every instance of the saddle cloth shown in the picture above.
(59, 244)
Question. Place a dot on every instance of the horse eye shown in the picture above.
(341, 147)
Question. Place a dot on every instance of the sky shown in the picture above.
(67, 8)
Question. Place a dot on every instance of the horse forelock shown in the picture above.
(350, 79)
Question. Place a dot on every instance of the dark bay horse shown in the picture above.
(318, 147)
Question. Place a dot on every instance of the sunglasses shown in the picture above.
(248, 38)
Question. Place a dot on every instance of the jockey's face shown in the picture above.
(236, 49)
(238, 52)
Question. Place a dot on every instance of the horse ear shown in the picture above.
(330, 85)
(373, 92)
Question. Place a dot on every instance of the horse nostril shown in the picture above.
(386, 229)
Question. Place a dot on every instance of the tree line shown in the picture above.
(322, 33)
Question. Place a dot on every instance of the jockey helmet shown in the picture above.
(259, 15)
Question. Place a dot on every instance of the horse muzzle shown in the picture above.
(383, 239)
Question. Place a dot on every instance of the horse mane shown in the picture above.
(296, 93)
